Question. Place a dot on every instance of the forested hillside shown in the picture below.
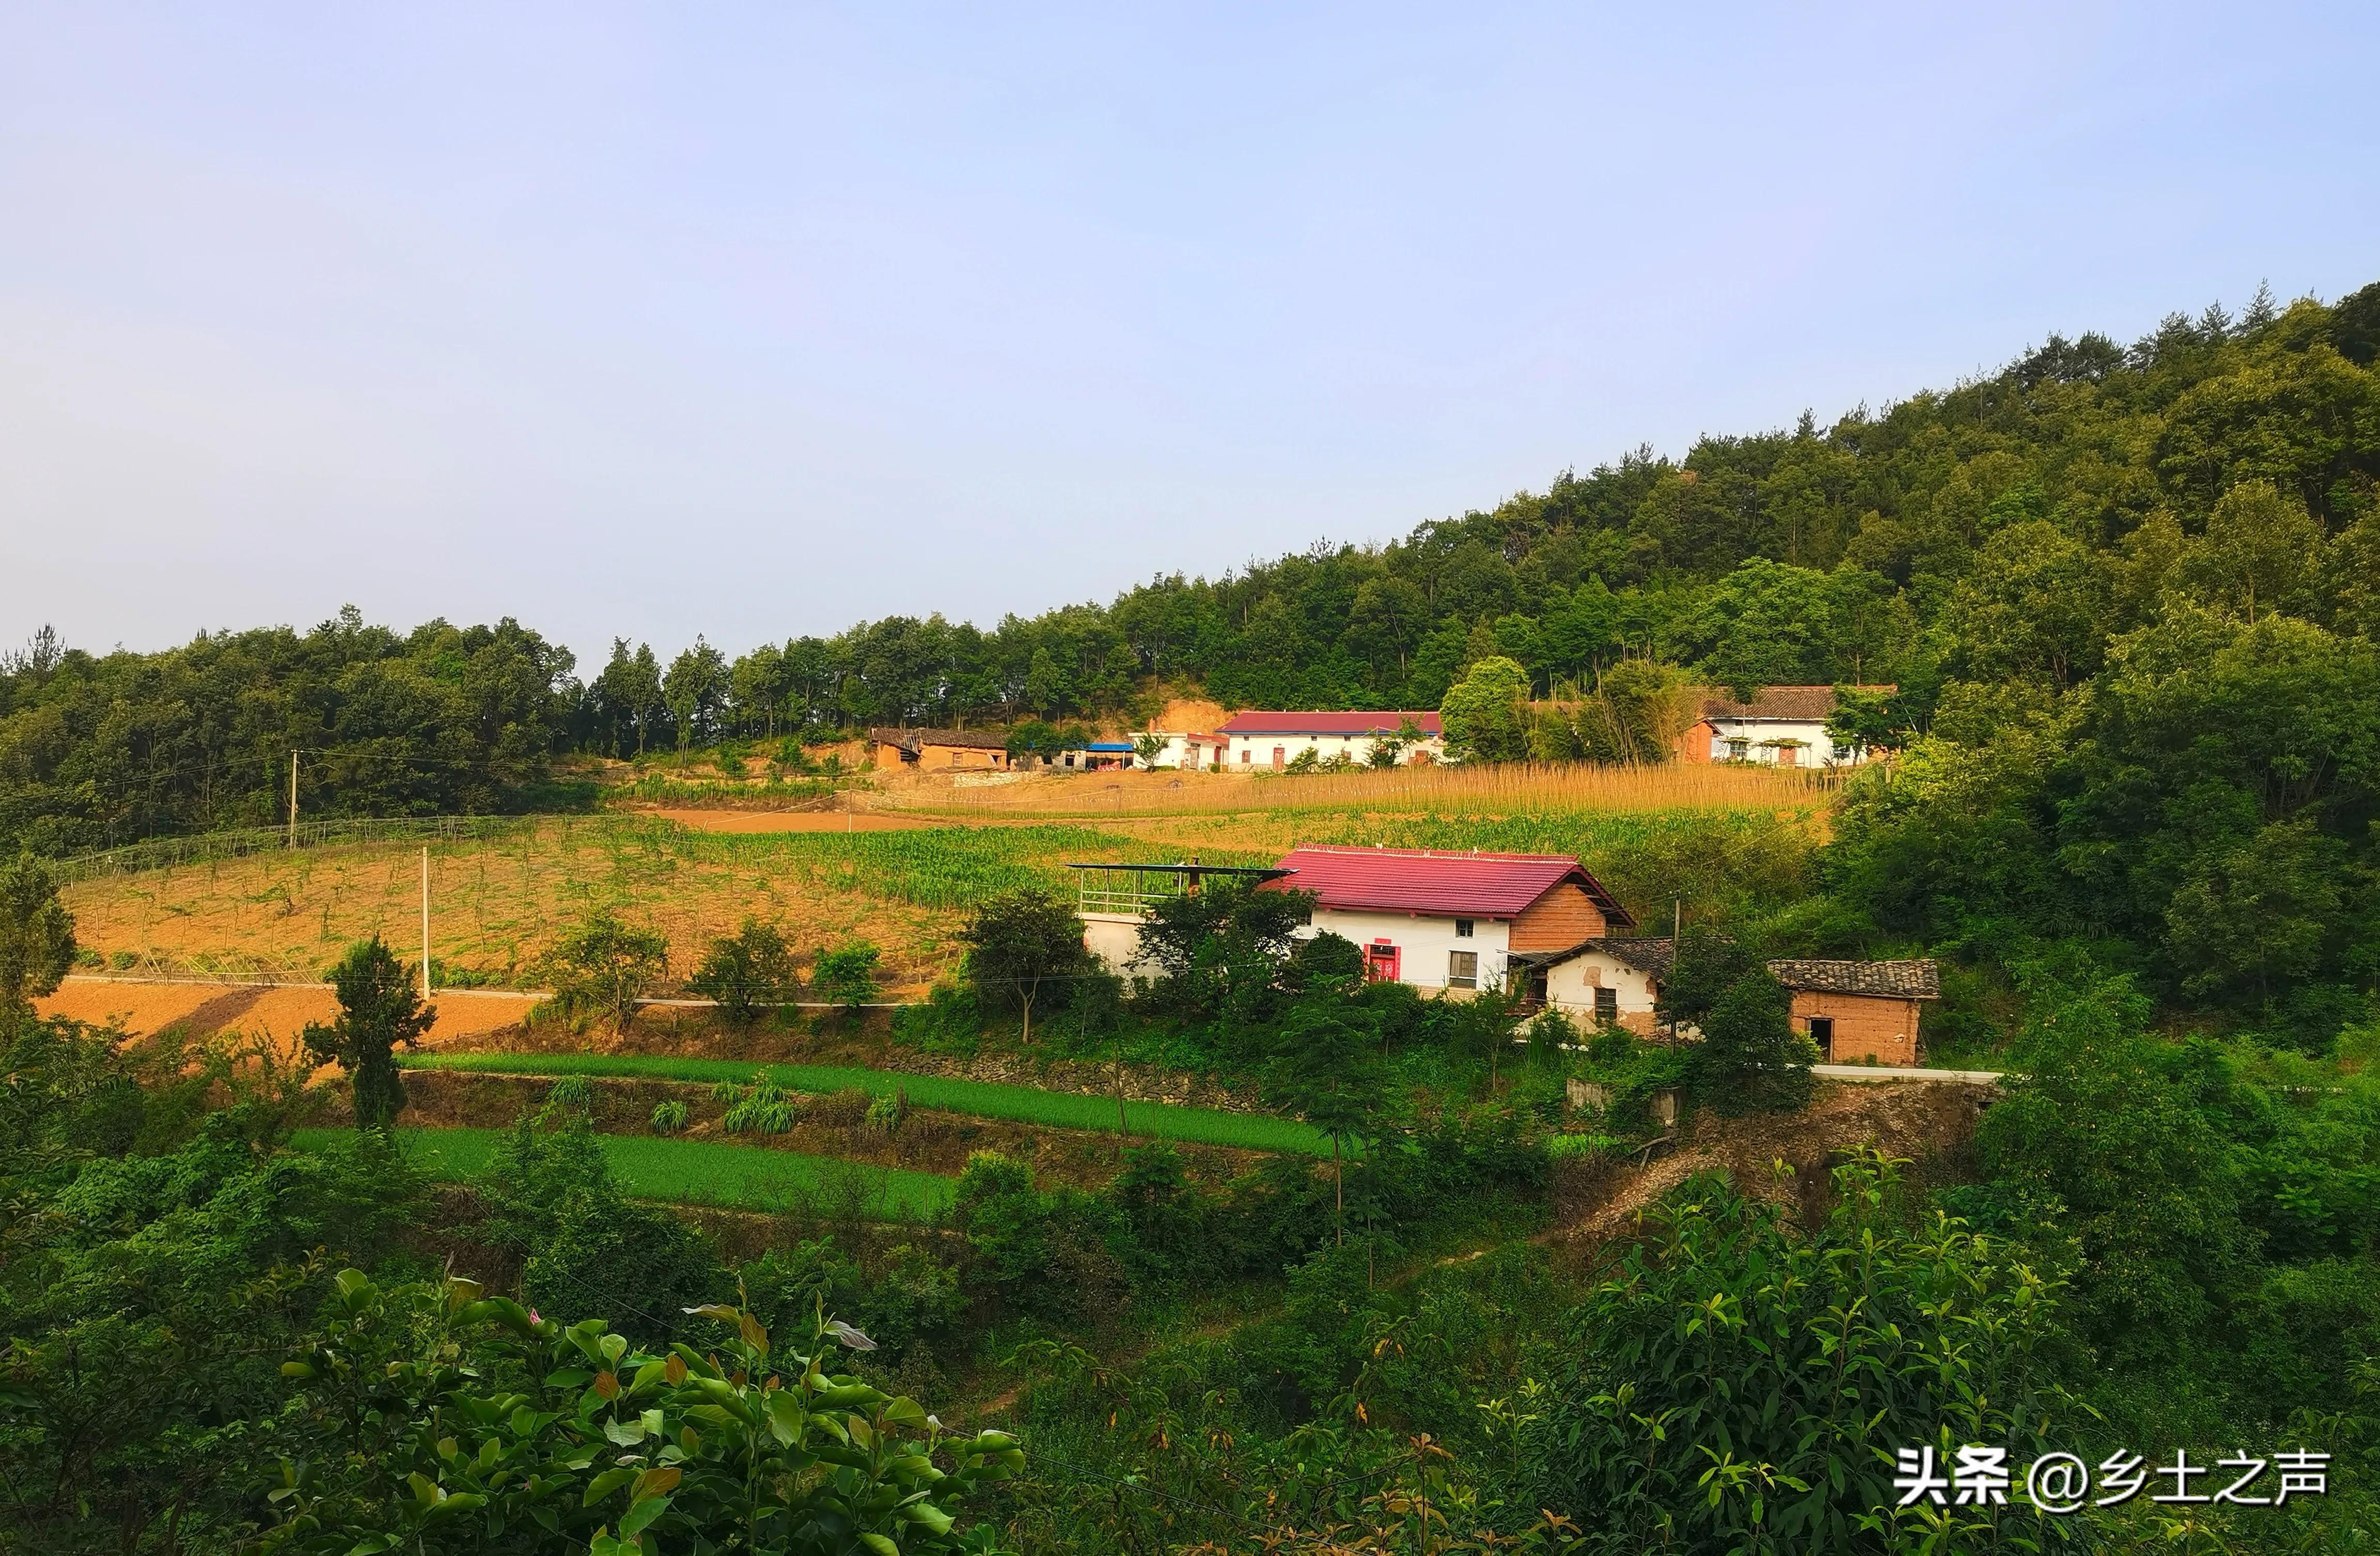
(2005, 532)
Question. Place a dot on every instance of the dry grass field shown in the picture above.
(902, 867)
(498, 904)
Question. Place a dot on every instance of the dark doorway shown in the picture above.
(1822, 1032)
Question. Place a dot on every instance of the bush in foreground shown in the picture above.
(433, 1419)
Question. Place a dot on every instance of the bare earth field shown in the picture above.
(204, 1009)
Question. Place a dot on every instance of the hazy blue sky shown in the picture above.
(761, 319)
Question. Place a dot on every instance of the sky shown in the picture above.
(759, 320)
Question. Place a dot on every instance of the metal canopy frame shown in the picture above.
(1135, 888)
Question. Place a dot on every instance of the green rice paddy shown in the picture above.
(690, 1172)
(1020, 1105)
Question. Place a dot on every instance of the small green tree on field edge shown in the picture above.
(1016, 943)
(379, 1007)
(847, 976)
(603, 966)
(747, 970)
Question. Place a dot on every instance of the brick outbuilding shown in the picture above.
(1860, 1011)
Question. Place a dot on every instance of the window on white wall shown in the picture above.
(1463, 928)
(1463, 969)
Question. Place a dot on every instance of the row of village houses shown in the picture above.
(1538, 924)
(1784, 726)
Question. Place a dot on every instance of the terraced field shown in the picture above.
(690, 1172)
(1020, 1104)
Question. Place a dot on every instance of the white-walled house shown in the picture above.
(1604, 980)
(1450, 921)
(1783, 726)
(1268, 740)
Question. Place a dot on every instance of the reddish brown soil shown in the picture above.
(203, 1009)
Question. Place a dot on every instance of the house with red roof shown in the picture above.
(1264, 740)
(1451, 920)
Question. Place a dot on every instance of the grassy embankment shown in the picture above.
(690, 1172)
(1020, 1104)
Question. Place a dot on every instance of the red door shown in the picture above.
(1278, 754)
(1382, 961)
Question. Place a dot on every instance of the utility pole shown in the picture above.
(293, 800)
(425, 922)
(1677, 949)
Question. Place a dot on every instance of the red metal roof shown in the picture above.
(1446, 886)
(1265, 721)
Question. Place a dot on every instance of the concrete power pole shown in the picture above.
(293, 800)
(425, 923)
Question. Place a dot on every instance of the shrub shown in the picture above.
(1805, 1353)
(885, 1113)
(763, 1108)
(746, 970)
(847, 976)
(603, 966)
(397, 1444)
(669, 1117)
(571, 1094)
(1751, 1059)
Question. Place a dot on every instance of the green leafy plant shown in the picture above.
(433, 1418)
(669, 1117)
(1739, 1375)
(37, 944)
(762, 1108)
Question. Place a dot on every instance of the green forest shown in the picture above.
(2127, 599)
(2011, 531)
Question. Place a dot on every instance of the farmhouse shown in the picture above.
(1855, 1011)
(938, 749)
(1273, 739)
(1783, 726)
(1451, 921)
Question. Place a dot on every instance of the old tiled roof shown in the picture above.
(1902, 980)
(916, 740)
(1645, 954)
(1798, 704)
(1446, 886)
(1272, 721)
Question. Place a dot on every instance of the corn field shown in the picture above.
(1498, 789)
